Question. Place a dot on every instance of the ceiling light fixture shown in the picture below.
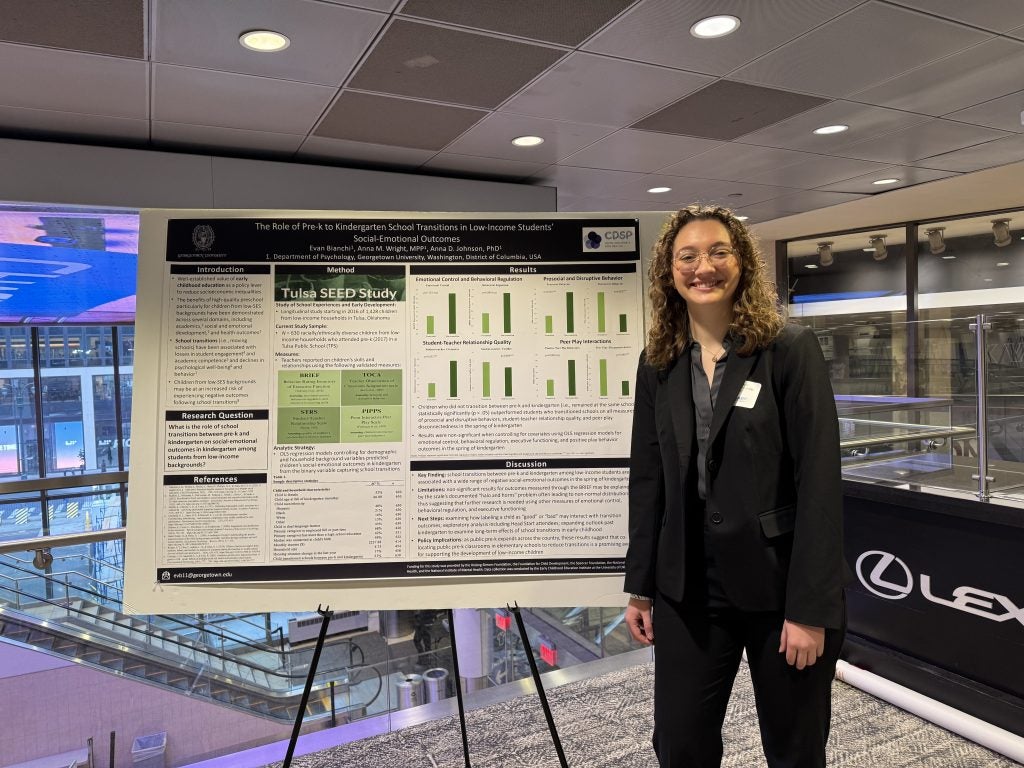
(527, 141)
(825, 253)
(883, 182)
(1001, 232)
(263, 40)
(744, 218)
(949, 257)
(659, 190)
(826, 130)
(936, 243)
(1002, 263)
(715, 26)
(811, 266)
(878, 246)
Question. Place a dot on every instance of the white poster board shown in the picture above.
(381, 410)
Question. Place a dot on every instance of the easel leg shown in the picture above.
(458, 686)
(327, 614)
(540, 686)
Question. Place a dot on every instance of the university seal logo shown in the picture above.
(202, 237)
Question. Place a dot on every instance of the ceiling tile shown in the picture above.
(987, 155)
(586, 88)
(430, 62)
(202, 97)
(864, 121)
(995, 15)
(735, 162)
(111, 27)
(582, 181)
(907, 175)
(202, 138)
(101, 85)
(395, 122)
(326, 40)
(375, 5)
(817, 171)
(358, 153)
(832, 60)
(555, 22)
(603, 204)
(727, 110)
(923, 140)
(72, 126)
(799, 202)
(482, 166)
(1004, 113)
(492, 137)
(992, 69)
(657, 31)
(687, 190)
(645, 151)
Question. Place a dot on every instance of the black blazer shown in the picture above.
(774, 494)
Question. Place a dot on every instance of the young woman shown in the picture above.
(735, 521)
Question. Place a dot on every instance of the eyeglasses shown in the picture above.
(688, 259)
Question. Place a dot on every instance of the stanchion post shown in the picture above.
(327, 615)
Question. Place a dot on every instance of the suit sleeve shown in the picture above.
(646, 487)
(814, 587)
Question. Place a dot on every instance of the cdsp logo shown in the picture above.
(612, 239)
(887, 576)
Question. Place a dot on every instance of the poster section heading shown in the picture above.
(409, 240)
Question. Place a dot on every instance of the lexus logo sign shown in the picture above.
(887, 576)
(883, 567)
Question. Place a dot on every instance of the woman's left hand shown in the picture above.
(802, 644)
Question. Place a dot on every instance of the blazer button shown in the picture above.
(712, 466)
(716, 518)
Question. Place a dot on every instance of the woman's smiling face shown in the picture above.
(710, 281)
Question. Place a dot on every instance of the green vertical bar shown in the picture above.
(569, 325)
(431, 390)
(603, 376)
(572, 378)
(551, 387)
(430, 325)
(549, 324)
(487, 379)
(600, 311)
(453, 379)
(506, 300)
(451, 313)
(622, 323)
(508, 382)
(625, 389)
(485, 321)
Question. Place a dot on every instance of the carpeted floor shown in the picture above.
(605, 722)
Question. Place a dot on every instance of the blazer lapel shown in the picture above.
(679, 389)
(736, 371)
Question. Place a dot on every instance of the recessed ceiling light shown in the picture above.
(659, 190)
(988, 279)
(868, 250)
(742, 218)
(715, 26)
(949, 257)
(811, 266)
(263, 40)
(527, 141)
(825, 130)
(883, 182)
(1002, 263)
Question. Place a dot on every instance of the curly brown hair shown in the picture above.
(757, 316)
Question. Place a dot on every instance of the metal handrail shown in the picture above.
(61, 539)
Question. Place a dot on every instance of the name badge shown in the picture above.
(748, 395)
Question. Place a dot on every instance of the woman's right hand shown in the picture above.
(638, 619)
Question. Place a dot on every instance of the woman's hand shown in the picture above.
(802, 644)
(638, 619)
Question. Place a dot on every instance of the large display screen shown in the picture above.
(67, 266)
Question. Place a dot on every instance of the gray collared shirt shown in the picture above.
(704, 397)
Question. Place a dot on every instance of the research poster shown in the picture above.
(408, 398)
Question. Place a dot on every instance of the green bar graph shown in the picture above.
(451, 313)
(549, 324)
(430, 325)
(570, 326)
(551, 387)
(485, 323)
(603, 377)
(622, 324)
(487, 378)
(453, 379)
(572, 378)
(508, 382)
(625, 389)
(600, 311)
(506, 302)
(431, 390)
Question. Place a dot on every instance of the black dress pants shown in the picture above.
(697, 655)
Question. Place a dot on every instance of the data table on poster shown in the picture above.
(367, 399)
